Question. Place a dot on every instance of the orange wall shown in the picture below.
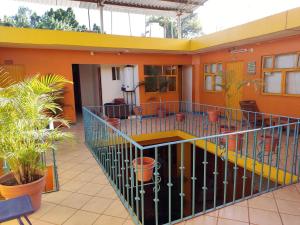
(60, 62)
(285, 105)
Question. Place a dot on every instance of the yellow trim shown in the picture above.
(84, 40)
(24, 37)
(212, 148)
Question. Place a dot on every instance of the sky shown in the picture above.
(214, 16)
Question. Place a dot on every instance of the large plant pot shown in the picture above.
(148, 165)
(33, 190)
(267, 142)
(1, 168)
(213, 115)
(180, 117)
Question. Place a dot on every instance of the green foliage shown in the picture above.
(190, 25)
(59, 19)
(26, 109)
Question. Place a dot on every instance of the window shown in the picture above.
(213, 78)
(281, 74)
(160, 78)
(115, 71)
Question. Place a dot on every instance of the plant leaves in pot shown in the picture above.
(25, 108)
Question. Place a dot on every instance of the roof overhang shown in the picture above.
(274, 27)
(153, 7)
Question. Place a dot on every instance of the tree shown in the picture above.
(190, 25)
(59, 19)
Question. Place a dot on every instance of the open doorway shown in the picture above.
(101, 84)
(187, 85)
(87, 86)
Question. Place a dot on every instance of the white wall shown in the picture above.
(111, 89)
(89, 85)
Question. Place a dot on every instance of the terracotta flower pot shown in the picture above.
(234, 140)
(1, 167)
(180, 117)
(148, 165)
(115, 122)
(161, 113)
(225, 128)
(267, 142)
(33, 190)
(213, 115)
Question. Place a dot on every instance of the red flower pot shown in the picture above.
(267, 142)
(115, 122)
(234, 140)
(161, 113)
(148, 165)
(180, 117)
(213, 115)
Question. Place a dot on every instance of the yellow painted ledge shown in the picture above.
(38, 38)
(242, 161)
(84, 40)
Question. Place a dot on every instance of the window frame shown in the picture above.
(283, 71)
(162, 75)
(213, 76)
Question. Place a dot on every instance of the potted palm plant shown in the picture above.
(232, 87)
(24, 117)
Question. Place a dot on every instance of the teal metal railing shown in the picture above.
(209, 164)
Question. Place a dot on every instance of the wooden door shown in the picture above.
(234, 75)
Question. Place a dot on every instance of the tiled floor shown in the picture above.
(87, 198)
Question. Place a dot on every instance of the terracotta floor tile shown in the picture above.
(222, 221)
(261, 202)
(85, 177)
(100, 179)
(72, 185)
(90, 189)
(58, 214)
(288, 207)
(287, 193)
(264, 217)
(214, 213)
(129, 222)
(234, 213)
(97, 205)
(203, 220)
(56, 197)
(76, 200)
(107, 192)
(45, 207)
(290, 219)
(109, 220)
(82, 217)
(116, 209)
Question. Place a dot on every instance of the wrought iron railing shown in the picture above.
(170, 161)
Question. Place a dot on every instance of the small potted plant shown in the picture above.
(24, 118)
(213, 115)
(115, 122)
(269, 143)
(180, 117)
(148, 164)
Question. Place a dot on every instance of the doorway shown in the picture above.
(87, 86)
(234, 75)
(187, 85)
